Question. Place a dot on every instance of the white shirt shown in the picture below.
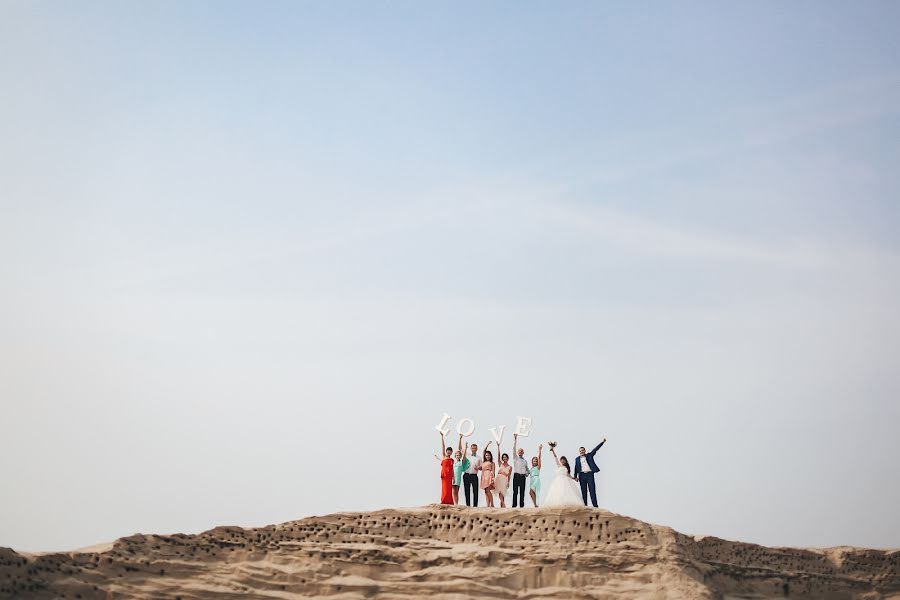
(585, 467)
(474, 465)
(519, 465)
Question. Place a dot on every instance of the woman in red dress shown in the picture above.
(446, 473)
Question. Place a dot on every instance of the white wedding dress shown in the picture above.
(564, 491)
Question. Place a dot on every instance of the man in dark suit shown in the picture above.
(585, 467)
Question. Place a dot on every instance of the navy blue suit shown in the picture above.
(586, 479)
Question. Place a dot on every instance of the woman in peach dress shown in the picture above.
(487, 475)
(501, 484)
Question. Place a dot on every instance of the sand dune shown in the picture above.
(451, 553)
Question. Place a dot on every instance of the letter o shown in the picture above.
(459, 427)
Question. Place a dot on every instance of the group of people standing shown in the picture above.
(462, 469)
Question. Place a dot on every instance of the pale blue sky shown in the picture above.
(248, 248)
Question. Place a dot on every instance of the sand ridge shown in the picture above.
(450, 552)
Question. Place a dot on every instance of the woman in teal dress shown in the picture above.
(462, 463)
(535, 484)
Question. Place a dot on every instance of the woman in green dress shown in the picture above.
(535, 484)
(459, 467)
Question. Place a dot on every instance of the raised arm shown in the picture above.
(459, 447)
(486, 446)
(540, 447)
(443, 446)
(515, 442)
(598, 446)
(553, 452)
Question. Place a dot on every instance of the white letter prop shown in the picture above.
(522, 426)
(493, 431)
(442, 423)
(459, 427)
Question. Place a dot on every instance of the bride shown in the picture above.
(564, 490)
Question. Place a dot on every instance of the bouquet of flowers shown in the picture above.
(551, 444)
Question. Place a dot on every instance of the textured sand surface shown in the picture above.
(450, 552)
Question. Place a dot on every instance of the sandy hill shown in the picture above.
(450, 552)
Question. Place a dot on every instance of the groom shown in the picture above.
(585, 467)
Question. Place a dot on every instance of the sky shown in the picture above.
(251, 252)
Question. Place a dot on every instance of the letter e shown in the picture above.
(522, 426)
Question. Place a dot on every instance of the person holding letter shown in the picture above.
(488, 474)
(459, 467)
(585, 467)
(446, 473)
(535, 483)
(470, 477)
(501, 483)
(520, 471)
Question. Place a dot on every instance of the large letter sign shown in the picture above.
(497, 438)
(466, 427)
(440, 426)
(523, 425)
(459, 427)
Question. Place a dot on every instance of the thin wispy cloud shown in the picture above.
(750, 129)
(642, 236)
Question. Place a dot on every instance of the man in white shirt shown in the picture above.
(470, 477)
(520, 471)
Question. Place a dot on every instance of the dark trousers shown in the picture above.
(587, 484)
(518, 490)
(470, 480)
